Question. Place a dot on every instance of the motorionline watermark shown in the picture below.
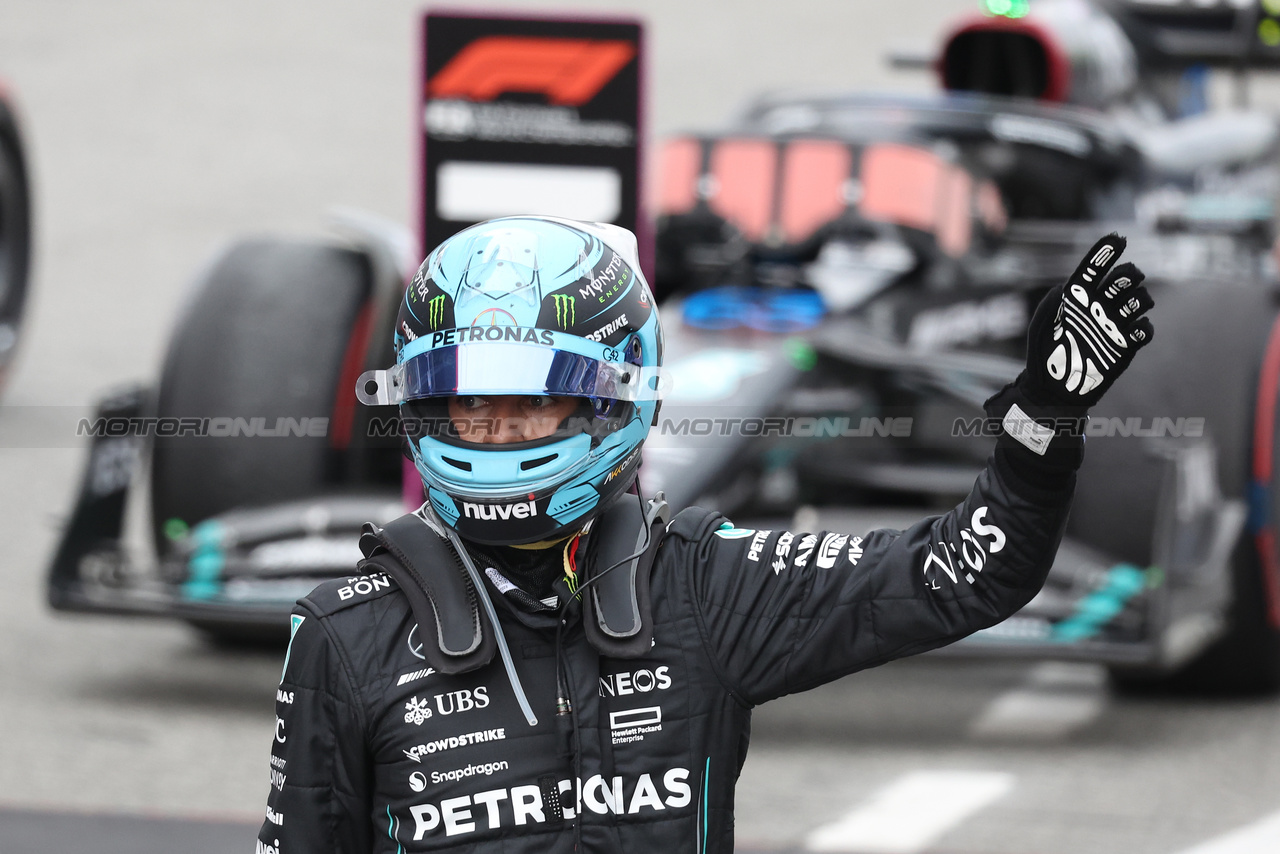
(1102, 427)
(899, 427)
(804, 427)
(215, 426)
(285, 427)
(797, 426)
(475, 428)
(812, 427)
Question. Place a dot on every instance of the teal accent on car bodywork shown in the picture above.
(1093, 612)
(208, 559)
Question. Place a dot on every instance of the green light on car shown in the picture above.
(175, 529)
(1269, 32)
(1009, 8)
(800, 354)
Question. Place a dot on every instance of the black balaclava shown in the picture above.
(533, 570)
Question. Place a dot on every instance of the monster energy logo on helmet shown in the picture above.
(437, 311)
(565, 314)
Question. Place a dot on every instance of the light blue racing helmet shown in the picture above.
(526, 306)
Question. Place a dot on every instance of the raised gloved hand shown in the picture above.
(1081, 338)
(1086, 332)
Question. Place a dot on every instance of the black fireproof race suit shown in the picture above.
(376, 752)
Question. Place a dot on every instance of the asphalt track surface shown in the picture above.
(160, 131)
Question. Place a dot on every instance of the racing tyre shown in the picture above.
(1205, 362)
(259, 351)
(15, 235)
(1246, 660)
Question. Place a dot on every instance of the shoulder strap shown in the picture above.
(618, 612)
(694, 523)
(442, 597)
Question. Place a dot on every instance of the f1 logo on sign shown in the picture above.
(529, 116)
(570, 72)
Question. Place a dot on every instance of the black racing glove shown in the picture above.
(1082, 337)
(1086, 332)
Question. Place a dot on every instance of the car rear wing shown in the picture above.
(1174, 34)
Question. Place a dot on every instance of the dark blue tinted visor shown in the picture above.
(494, 367)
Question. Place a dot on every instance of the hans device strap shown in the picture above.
(617, 617)
(443, 599)
(618, 613)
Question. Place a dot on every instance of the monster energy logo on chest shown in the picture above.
(437, 311)
(565, 314)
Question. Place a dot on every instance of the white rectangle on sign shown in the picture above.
(470, 192)
(644, 716)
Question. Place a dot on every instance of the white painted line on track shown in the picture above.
(911, 813)
(1262, 837)
(1057, 699)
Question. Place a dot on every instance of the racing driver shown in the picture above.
(538, 659)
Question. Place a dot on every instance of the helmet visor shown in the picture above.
(506, 367)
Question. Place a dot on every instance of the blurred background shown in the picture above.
(156, 133)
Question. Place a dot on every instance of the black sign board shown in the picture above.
(529, 115)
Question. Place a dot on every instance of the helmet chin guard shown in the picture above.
(526, 306)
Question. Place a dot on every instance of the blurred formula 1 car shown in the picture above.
(848, 278)
(15, 231)
(864, 267)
